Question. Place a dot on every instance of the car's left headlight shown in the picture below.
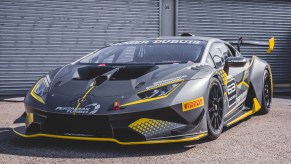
(40, 89)
(158, 91)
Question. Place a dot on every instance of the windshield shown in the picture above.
(148, 52)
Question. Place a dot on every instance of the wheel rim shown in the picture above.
(267, 91)
(215, 107)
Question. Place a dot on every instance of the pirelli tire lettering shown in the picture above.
(193, 104)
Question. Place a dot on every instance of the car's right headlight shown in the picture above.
(160, 91)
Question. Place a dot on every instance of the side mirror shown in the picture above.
(235, 61)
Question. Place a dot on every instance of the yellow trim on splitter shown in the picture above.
(112, 139)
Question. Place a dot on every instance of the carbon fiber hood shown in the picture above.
(115, 82)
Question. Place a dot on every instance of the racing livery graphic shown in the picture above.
(147, 91)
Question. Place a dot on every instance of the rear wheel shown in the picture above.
(215, 110)
(267, 94)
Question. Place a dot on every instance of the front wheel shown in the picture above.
(267, 94)
(215, 109)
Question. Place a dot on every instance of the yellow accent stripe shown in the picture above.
(244, 83)
(244, 76)
(84, 96)
(37, 97)
(112, 139)
(150, 99)
(144, 101)
(255, 109)
(271, 78)
(223, 75)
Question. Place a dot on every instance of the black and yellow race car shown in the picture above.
(147, 91)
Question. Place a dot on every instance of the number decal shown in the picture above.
(231, 92)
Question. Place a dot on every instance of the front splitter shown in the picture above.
(21, 132)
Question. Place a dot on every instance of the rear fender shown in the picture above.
(257, 69)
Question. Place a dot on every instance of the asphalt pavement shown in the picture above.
(258, 139)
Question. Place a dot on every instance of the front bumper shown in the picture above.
(145, 127)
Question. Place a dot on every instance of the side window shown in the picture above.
(233, 51)
(209, 61)
(216, 53)
(225, 51)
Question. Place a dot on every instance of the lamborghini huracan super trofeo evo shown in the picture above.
(146, 91)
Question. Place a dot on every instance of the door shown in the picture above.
(237, 81)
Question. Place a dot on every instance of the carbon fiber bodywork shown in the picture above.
(104, 103)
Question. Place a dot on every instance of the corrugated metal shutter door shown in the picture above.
(253, 20)
(38, 36)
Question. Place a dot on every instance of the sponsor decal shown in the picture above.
(193, 104)
(159, 41)
(177, 42)
(165, 82)
(241, 97)
(231, 92)
(133, 42)
(88, 109)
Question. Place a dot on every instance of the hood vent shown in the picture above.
(90, 72)
(99, 80)
(116, 72)
(132, 72)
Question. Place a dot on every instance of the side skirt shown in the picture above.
(243, 113)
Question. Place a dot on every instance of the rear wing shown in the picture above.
(270, 44)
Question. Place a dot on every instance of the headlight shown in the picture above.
(159, 91)
(40, 89)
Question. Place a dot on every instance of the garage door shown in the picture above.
(251, 19)
(38, 36)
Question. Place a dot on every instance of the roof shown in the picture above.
(185, 38)
(178, 38)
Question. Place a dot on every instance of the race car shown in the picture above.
(149, 91)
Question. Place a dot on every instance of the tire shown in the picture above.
(267, 94)
(215, 109)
